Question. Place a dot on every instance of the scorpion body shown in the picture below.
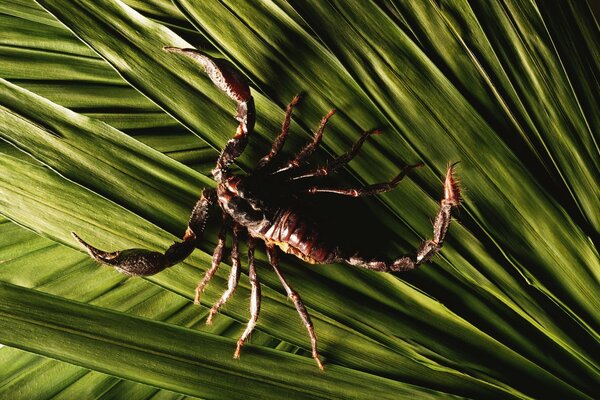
(266, 205)
(287, 227)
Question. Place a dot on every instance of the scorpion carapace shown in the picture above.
(265, 205)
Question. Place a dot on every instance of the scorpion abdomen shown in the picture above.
(296, 234)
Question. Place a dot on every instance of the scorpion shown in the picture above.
(266, 205)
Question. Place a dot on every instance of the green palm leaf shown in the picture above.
(509, 88)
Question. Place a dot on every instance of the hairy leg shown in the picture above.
(254, 298)
(337, 162)
(280, 139)
(295, 297)
(216, 259)
(234, 275)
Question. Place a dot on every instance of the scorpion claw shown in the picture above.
(96, 254)
(136, 262)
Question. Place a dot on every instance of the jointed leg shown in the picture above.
(310, 147)
(280, 140)
(367, 190)
(292, 294)
(216, 259)
(234, 275)
(254, 298)
(340, 161)
(430, 247)
(145, 262)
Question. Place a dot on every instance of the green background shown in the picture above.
(107, 135)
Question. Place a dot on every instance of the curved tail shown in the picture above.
(452, 198)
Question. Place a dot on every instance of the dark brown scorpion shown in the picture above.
(266, 205)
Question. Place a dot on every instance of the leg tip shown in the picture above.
(329, 115)
(189, 235)
(319, 363)
(452, 194)
(209, 320)
(238, 349)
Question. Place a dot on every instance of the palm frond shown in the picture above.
(509, 309)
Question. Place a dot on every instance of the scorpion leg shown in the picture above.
(367, 190)
(272, 253)
(309, 148)
(280, 139)
(340, 161)
(138, 262)
(430, 247)
(254, 298)
(227, 78)
(216, 259)
(234, 275)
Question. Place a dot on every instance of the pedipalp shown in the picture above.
(139, 262)
(310, 148)
(227, 78)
